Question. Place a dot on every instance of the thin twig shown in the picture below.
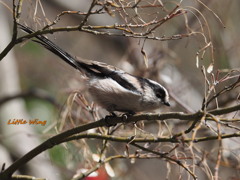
(168, 158)
(115, 120)
(36, 93)
(88, 14)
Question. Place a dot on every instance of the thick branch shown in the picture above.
(227, 110)
(114, 120)
(148, 139)
(16, 15)
(5, 175)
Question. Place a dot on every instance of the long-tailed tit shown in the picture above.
(112, 88)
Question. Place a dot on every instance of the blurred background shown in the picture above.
(51, 88)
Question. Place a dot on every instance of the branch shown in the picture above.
(93, 30)
(16, 16)
(224, 90)
(130, 156)
(88, 14)
(146, 139)
(51, 142)
(25, 177)
(222, 111)
(55, 140)
(31, 93)
(168, 158)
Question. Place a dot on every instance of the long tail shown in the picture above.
(53, 48)
(88, 67)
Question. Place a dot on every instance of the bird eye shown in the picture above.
(159, 95)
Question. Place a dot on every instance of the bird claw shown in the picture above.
(107, 119)
(125, 116)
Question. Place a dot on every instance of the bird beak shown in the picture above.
(166, 103)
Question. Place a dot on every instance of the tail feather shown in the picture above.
(89, 68)
(52, 47)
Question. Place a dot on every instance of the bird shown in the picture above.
(110, 87)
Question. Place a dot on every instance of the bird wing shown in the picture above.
(88, 67)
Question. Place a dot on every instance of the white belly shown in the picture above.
(113, 97)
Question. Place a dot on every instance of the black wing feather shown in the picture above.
(91, 68)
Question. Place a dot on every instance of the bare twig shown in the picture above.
(16, 15)
(31, 93)
(60, 137)
(87, 15)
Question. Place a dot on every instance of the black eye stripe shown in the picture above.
(159, 95)
(158, 90)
